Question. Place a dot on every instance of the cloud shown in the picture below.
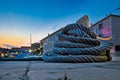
(7, 45)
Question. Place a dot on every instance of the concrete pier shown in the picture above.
(39, 70)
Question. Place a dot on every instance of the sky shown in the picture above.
(20, 18)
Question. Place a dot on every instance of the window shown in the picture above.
(100, 26)
(117, 47)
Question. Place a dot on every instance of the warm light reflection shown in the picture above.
(106, 31)
(2, 55)
(108, 38)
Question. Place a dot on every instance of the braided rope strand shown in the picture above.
(78, 44)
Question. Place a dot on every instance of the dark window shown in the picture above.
(100, 26)
(117, 47)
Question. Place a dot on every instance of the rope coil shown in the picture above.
(77, 44)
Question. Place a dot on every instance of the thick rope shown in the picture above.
(77, 44)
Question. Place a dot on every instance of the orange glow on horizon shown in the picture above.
(13, 40)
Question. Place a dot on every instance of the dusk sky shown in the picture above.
(20, 18)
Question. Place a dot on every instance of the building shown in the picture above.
(16, 49)
(47, 43)
(83, 20)
(25, 49)
(35, 47)
(108, 29)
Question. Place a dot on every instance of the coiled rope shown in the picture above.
(77, 44)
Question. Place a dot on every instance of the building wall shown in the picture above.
(35, 46)
(103, 29)
(48, 43)
(116, 30)
(116, 34)
(25, 49)
(111, 27)
(83, 20)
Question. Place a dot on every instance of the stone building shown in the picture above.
(47, 43)
(108, 29)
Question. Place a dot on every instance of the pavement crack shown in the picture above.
(1, 77)
(65, 77)
(25, 75)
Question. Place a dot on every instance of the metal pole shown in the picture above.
(30, 39)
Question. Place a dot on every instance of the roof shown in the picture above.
(111, 15)
(84, 18)
(36, 43)
(25, 47)
(15, 48)
(51, 34)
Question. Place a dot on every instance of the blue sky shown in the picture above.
(20, 18)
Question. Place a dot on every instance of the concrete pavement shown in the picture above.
(39, 70)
